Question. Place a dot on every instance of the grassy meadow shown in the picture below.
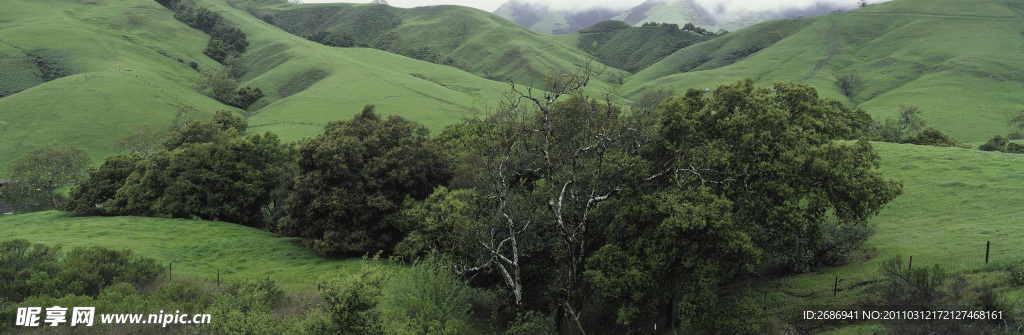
(955, 200)
(196, 248)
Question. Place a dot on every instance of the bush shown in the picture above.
(35, 269)
(86, 271)
(848, 83)
(245, 97)
(934, 137)
(352, 300)
(1017, 135)
(427, 299)
(531, 322)
(997, 143)
(244, 308)
(1014, 148)
(1017, 274)
(219, 50)
(919, 286)
(22, 264)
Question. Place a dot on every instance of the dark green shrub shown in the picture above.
(245, 97)
(1014, 148)
(917, 286)
(86, 271)
(34, 269)
(997, 143)
(233, 37)
(352, 300)
(219, 50)
(427, 299)
(24, 266)
(1017, 274)
(184, 296)
(531, 322)
(934, 137)
(244, 308)
(1017, 135)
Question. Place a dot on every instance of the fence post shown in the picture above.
(910, 265)
(987, 246)
(835, 289)
(218, 278)
(170, 271)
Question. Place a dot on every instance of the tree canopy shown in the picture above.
(37, 176)
(354, 177)
(205, 170)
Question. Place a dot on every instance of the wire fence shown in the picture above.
(994, 254)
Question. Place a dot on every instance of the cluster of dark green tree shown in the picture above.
(353, 179)
(909, 127)
(204, 170)
(566, 208)
(222, 85)
(582, 211)
(226, 46)
(225, 40)
(598, 217)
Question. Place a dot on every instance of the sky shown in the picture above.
(491, 5)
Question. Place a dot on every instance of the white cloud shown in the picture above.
(760, 5)
(570, 5)
(711, 5)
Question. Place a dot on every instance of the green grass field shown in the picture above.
(954, 201)
(196, 249)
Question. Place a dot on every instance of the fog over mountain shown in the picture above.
(565, 17)
(620, 5)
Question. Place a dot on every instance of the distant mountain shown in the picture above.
(546, 20)
(549, 21)
(678, 12)
(682, 12)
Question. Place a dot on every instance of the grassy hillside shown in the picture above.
(472, 40)
(124, 71)
(954, 202)
(960, 61)
(634, 48)
(121, 61)
(196, 248)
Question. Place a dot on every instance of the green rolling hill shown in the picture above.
(84, 72)
(121, 61)
(960, 61)
(472, 40)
